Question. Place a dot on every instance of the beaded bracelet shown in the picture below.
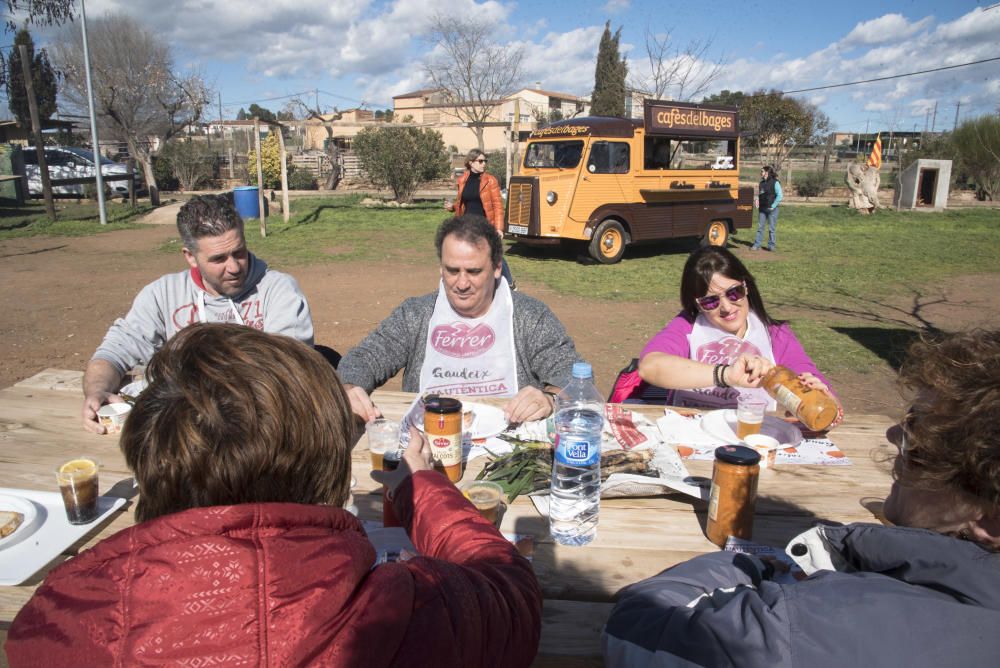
(718, 375)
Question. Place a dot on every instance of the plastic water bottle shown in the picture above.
(576, 469)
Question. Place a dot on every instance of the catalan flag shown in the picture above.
(875, 159)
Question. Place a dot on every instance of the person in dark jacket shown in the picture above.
(768, 199)
(241, 447)
(925, 592)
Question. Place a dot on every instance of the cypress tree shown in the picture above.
(43, 78)
(608, 98)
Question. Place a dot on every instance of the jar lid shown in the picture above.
(737, 454)
(442, 405)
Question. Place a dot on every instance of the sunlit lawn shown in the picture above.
(836, 273)
(72, 218)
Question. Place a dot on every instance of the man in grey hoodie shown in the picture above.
(224, 283)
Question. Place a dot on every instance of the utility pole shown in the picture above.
(316, 93)
(220, 111)
(260, 177)
(154, 198)
(36, 131)
(957, 107)
(934, 119)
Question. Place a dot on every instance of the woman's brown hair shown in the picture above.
(233, 415)
(953, 427)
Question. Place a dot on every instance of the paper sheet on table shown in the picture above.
(694, 444)
(813, 451)
(628, 430)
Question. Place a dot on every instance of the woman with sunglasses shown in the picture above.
(922, 593)
(723, 339)
(479, 194)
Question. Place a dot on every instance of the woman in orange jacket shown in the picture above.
(479, 195)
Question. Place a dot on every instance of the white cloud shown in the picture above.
(877, 106)
(617, 6)
(887, 28)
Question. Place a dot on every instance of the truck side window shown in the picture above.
(657, 153)
(608, 157)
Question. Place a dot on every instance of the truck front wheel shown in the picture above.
(717, 234)
(609, 241)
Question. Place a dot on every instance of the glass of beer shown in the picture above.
(383, 435)
(78, 485)
(487, 497)
(749, 415)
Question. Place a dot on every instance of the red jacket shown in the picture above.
(489, 193)
(289, 585)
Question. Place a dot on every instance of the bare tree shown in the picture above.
(138, 96)
(332, 152)
(474, 71)
(683, 73)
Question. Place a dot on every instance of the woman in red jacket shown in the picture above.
(243, 555)
(479, 195)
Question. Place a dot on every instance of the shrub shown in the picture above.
(496, 164)
(811, 184)
(401, 158)
(270, 157)
(164, 173)
(302, 180)
(192, 163)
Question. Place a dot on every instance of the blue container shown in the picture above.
(245, 199)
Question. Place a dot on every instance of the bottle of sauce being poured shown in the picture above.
(814, 408)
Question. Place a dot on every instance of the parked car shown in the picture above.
(70, 162)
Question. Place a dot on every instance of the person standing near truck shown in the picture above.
(768, 201)
(479, 194)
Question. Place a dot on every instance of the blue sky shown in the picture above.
(366, 51)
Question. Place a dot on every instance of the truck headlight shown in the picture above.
(551, 197)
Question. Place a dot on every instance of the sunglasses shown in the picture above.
(480, 160)
(732, 295)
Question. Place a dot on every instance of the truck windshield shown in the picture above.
(554, 154)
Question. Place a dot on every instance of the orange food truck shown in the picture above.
(610, 182)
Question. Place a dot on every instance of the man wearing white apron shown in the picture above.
(472, 337)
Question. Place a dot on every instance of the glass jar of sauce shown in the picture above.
(734, 494)
(443, 427)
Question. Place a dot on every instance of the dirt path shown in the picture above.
(61, 294)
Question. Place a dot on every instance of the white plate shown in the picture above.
(134, 389)
(488, 421)
(721, 424)
(51, 536)
(19, 504)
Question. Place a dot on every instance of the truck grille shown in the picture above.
(521, 204)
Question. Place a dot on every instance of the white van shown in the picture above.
(70, 162)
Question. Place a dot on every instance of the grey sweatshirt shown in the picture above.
(545, 352)
(271, 301)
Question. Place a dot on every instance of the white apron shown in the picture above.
(471, 356)
(710, 345)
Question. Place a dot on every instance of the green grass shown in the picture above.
(852, 285)
(339, 229)
(72, 219)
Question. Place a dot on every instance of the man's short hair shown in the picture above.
(207, 216)
(233, 415)
(471, 229)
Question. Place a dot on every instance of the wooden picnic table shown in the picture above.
(636, 538)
